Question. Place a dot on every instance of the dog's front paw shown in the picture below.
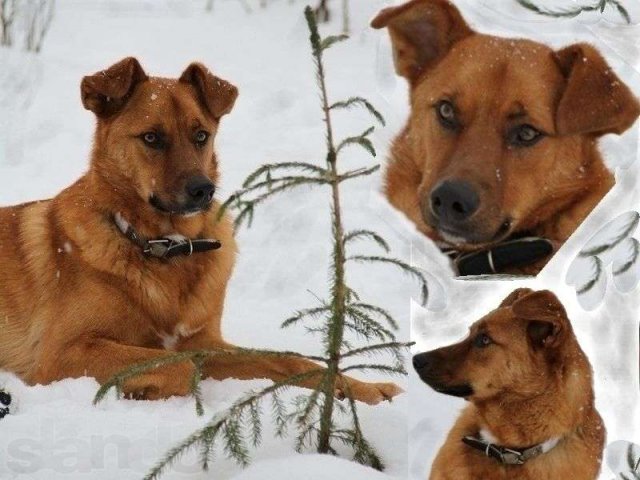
(167, 381)
(370, 393)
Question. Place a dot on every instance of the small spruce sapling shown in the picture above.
(318, 419)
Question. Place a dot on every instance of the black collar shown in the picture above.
(512, 253)
(165, 247)
(510, 456)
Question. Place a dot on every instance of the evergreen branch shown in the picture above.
(405, 267)
(331, 40)
(302, 314)
(635, 246)
(388, 369)
(380, 311)
(226, 424)
(360, 172)
(279, 415)
(366, 234)
(389, 347)
(367, 326)
(270, 183)
(247, 206)
(359, 101)
(626, 232)
(196, 378)
(574, 12)
(273, 167)
(360, 140)
(364, 453)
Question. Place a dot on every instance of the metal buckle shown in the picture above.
(511, 457)
(158, 248)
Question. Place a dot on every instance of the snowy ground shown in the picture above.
(56, 433)
(44, 143)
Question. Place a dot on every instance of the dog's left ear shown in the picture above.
(545, 316)
(514, 296)
(217, 95)
(594, 100)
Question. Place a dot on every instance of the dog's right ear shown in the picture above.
(106, 92)
(546, 317)
(422, 32)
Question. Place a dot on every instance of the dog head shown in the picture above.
(516, 349)
(155, 136)
(502, 130)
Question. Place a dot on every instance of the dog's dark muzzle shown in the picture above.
(430, 369)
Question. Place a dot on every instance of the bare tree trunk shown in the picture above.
(322, 11)
(38, 24)
(8, 10)
(345, 17)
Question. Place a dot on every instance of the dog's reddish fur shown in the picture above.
(79, 298)
(496, 85)
(532, 383)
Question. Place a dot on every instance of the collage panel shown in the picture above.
(349, 239)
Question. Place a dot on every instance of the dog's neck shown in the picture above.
(110, 199)
(556, 411)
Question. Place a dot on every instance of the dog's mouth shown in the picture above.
(463, 390)
(470, 240)
(181, 210)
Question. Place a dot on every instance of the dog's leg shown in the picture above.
(103, 358)
(246, 367)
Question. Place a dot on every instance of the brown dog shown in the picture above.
(501, 142)
(531, 394)
(101, 276)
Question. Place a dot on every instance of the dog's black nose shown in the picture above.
(200, 190)
(421, 361)
(454, 201)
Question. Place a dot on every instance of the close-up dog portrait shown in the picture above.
(531, 412)
(498, 162)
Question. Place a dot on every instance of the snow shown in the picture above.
(55, 431)
(45, 138)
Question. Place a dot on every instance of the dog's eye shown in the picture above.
(525, 136)
(447, 114)
(201, 137)
(482, 340)
(152, 139)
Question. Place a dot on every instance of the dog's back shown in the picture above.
(27, 278)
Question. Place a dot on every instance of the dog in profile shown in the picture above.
(502, 139)
(529, 384)
(131, 261)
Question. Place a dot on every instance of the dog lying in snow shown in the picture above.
(130, 261)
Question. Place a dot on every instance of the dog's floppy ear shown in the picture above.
(217, 95)
(106, 92)
(422, 32)
(515, 295)
(545, 316)
(594, 100)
